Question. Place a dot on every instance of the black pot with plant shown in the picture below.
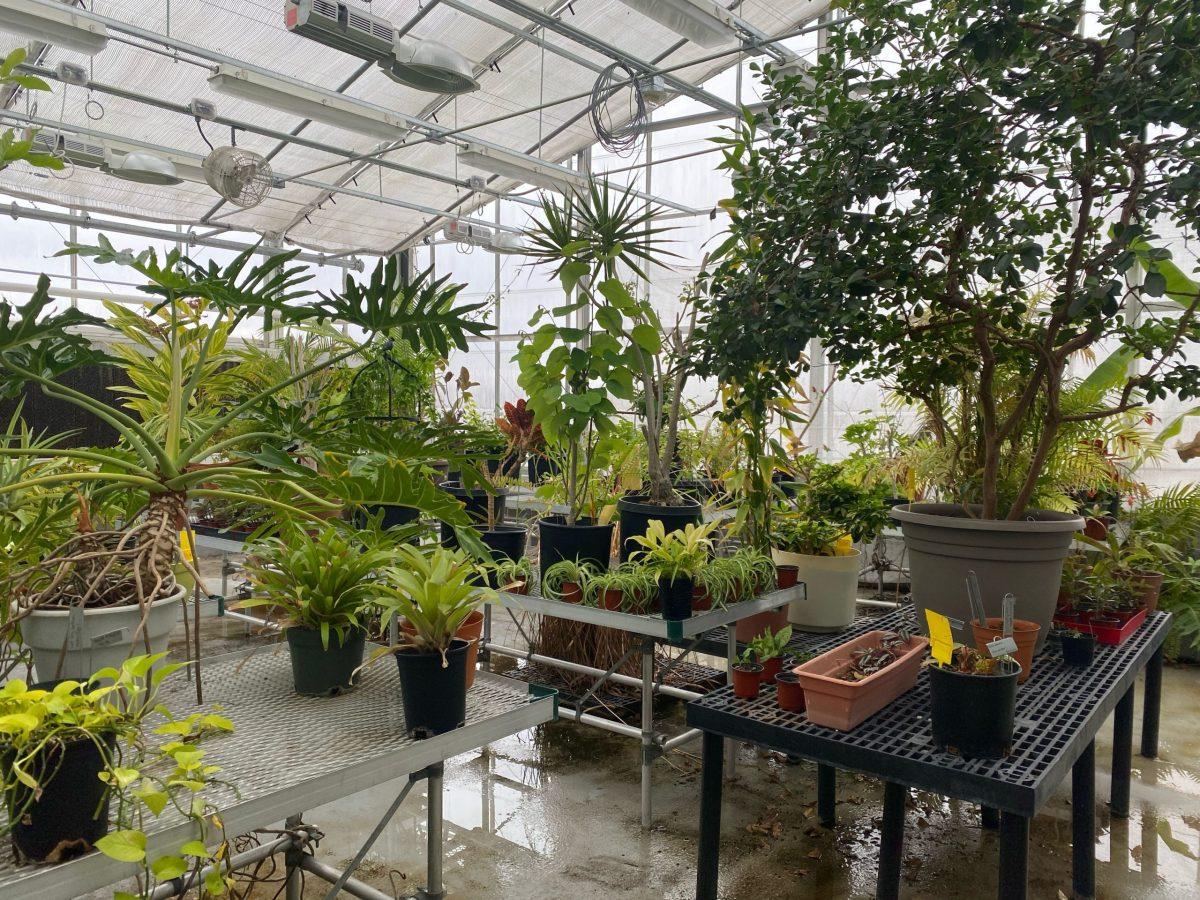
(1078, 648)
(973, 704)
(584, 541)
(677, 559)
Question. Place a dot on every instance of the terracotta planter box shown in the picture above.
(844, 705)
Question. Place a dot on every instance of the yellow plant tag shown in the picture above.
(941, 640)
(185, 546)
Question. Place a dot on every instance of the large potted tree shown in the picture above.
(971, 216)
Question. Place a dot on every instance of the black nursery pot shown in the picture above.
(1078, 650)
(476, 501)
(584, 541)
(435, 696)
(973, 715)
(539, 468)
(636, 515)
(676, 597)
(72, 812)
(505, 541)
(321, 672)
(393, 514)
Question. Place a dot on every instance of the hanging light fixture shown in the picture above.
(142, 167)
(702, 22)
(510, 164)
(430, 66)
(55, 23)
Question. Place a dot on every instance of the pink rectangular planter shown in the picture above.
(844, 705)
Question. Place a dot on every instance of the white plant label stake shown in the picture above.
(1005, 645)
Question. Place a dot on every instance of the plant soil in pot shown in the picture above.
(831, 590)
(1022, 557)
(584, 541)
(636, 515)
(1024, 633)
(323, 671)
(470, 631)
(789, 692)
(676, 596)
(838, 691)
(1078, 648)
(972, 714)
(106, 639)
(746, 679)
(70, 814)
(434, 695)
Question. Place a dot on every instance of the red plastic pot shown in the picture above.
(786, 576)
(746, 680)
(770, 669)
(612, 599)
(789, 693)
(571, 592)
(700, 599)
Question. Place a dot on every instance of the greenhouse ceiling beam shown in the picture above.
(85, 220)
(524, 34)
(195, 160)
(431, 129)
(550, 23)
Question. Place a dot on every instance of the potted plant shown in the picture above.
(320, 583)
(768, 649)
(966, 291)
(617, 590)
(848, 684)
(435, 592)
(973, 702)
(1024, 633)
(747, 675)
(511, 575)
(1078, 648)
(755, 573)
(676, 558)
(564, 580)
(789, 690)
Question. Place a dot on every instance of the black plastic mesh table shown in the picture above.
(1059, 712)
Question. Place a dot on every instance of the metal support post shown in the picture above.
(649, 751)
(294, 886)
(891, 841)
(826, 795)
(434, 889)
(1014, 856)
(989, 817)
(1083, 824)
(1122, 758)
(1151, 704)
(731, 745)
(710, 819)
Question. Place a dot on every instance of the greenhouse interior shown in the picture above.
(582, 449)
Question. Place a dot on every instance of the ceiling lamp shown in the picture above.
(142, 167)
(509, 244)
(54, 23)
(430, 66)
(702, 22)
(309, 102)
(510, 164)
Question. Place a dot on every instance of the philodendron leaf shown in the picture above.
(126, 846)
(167, 867)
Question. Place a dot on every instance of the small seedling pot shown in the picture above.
(1078, 650)
(973, 715)
(320, 671)
(701, 602)
(676, 596)
(1024, 633)
(571, 592)
(771, 669)
(71, 813)
(434, 696)
(789, 693)
(746, 677)
(612, 599)
(786, 576)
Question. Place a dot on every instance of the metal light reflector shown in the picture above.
(513, 165)
(142, 167)
(430, 66)
(310, 102)
(702, 22)
(56, 24)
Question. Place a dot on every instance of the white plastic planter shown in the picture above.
(106, 638)
(831, 588)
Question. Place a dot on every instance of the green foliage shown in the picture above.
(435, 591)
(826, 508)
(637, 583)
(12, 147)
(770, 644)
(563, 572)
(675, 554)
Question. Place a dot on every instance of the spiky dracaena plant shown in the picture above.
(177, 453)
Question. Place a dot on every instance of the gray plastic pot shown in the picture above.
(106, 639)
(1024, 558)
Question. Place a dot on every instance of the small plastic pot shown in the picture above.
(771, 669)
(1024, 633)
(701, 602)
(786, 576)
(676, 596)
(319, 671)
(1078, 650)
(789, 694)
(571, 592)
(434, 695)
(612, 598)
(746, 678)
(973, 715)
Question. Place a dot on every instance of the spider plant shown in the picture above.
(509, 574)
(564, 572)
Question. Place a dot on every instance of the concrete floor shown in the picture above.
(553, 813)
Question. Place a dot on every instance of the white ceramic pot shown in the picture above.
(831, 588)
(106, 638)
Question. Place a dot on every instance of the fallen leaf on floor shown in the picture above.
(800, 872)
(922, 822)
(1136, 853)
(815, 853)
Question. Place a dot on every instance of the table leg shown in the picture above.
(434, 889)
(1122, 757)
(826, 795)
(708, 859)
(1014, 856)
(989, 817)
(647, 728)
(891, 841)
(730, 657)
(1083, 824)
(294, 886)
(1151, 703)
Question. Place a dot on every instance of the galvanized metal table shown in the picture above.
(1059, 712)
(291, 753)
(649, 630)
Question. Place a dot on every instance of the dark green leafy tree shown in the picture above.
(959, 195)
